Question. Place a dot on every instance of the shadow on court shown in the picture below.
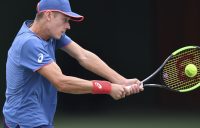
(140, 119)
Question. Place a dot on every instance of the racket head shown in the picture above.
(173, 71)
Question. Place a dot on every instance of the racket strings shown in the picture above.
(173, 73)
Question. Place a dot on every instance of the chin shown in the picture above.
(57, 37)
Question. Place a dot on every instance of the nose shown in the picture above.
(67, 26)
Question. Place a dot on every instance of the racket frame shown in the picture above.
(160, 68)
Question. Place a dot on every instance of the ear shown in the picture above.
(48, 15)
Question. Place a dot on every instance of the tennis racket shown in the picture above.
(172, 71)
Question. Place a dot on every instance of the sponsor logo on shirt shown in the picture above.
(40, 58)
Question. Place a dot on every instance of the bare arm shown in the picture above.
(93, 63)
(63, 83)
(74, 85)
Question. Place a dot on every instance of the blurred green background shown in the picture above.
(132, 37)
(130, 120)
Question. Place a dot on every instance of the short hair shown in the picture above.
(39, 15)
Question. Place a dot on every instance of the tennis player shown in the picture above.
(33, 77)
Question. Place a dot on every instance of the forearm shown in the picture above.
(63, 83)
(79, 86)
(74, 85)
(94, 64)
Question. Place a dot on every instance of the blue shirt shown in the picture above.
(30, 98)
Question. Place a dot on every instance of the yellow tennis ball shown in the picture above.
(190, 70)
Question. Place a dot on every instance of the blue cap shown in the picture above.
(62, 6)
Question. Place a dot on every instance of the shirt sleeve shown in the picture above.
(63, 41)
(33, 55)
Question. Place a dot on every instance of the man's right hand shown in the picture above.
(117, 91)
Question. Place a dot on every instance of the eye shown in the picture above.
(66, 20)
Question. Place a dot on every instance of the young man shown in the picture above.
(33, 77)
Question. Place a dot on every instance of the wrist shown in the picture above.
(124, 82)
(101, 87)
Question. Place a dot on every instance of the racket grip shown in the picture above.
(129, 87)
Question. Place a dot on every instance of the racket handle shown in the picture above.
(154, 85)
(129, 87)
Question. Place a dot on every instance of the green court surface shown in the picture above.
(129, 120)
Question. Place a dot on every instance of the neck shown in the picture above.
(39, 29)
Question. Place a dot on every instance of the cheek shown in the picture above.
(58, 26)
(56, 30)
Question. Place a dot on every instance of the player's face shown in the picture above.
(59, 25)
